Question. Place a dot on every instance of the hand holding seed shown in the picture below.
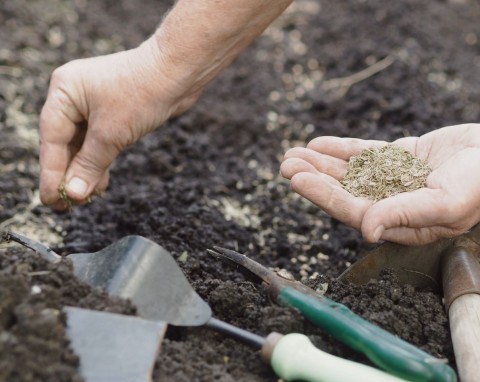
(446, 204)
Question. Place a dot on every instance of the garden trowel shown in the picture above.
(131, 268)
(113, 347)
(448, 265)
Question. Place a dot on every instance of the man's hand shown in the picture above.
(95, 108)
(448, 206)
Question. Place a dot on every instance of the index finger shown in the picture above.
(57, 134)
(328, 194)
(342, 148)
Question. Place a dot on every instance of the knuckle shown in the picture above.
(58, 76)
(297, 182)
(293, 152)
(316, 143)
(45, 116)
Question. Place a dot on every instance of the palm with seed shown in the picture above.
(448, 206)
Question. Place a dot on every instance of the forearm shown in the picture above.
(199, 38)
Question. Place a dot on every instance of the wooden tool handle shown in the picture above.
(460, 273)
(464, 317)
(461, 289)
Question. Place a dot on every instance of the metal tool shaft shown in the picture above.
(41, 249)
(241, 335)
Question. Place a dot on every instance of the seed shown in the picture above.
(377, 173)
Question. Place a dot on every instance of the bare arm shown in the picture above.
(90, 115)
(199, 38)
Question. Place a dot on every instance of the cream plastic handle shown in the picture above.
(295, 358)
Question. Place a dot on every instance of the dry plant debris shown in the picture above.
(69, 202)
(62, 193)
(377, 173)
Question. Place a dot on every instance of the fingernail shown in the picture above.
(378, 233)
(77, 186)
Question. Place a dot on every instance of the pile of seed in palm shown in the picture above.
(377, 173)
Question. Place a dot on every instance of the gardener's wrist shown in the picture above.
(199, 38)
(189, 65)
(160, 81)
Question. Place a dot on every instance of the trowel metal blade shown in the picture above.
(114, 347)
(142, 271)
(418, 266)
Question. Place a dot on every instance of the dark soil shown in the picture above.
(210, 177)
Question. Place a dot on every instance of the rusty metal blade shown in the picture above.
(419, 266)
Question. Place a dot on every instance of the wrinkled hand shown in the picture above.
(95, 108)
(448, 206)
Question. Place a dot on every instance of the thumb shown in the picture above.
(417, 209)
(89, 165)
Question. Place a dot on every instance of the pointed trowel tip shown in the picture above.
(212, 252)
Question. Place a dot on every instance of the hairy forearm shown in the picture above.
(198, 38)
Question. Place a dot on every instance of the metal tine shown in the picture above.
(276, 282)
(248, 266)
(36, 246)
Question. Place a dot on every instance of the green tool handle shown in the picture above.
(295, 358)
(382, 348)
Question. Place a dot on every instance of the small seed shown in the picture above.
(377, 173)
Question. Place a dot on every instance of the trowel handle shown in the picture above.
(294, 357)
(382, 348)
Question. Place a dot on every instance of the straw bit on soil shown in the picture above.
(378, 173)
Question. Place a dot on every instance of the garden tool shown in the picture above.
(113, 347)
(137, 268)
(131, 268)
(453, 263)
(381, 347)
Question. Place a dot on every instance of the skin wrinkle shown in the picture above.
(62, 96)
(337, 204)
(429, 151)
(416, 151)
(159, 57)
